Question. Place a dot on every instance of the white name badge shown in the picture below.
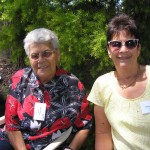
(39, 111)
(145, 107)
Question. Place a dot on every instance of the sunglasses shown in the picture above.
(130, 44)
(45, 54)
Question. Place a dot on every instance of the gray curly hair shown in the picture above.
(40, 35)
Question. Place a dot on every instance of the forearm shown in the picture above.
(79, 139)
(103, 141)
(16, 140)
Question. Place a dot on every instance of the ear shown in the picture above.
(139, 49)
(58, 54)
(108, 51)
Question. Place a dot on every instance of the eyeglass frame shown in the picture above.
(118, 47)
(43, 54)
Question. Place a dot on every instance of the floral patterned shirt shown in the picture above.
(66, 105)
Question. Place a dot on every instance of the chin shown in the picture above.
(124, 65)
(43, 79)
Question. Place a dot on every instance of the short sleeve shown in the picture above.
(101, 90)
(95, 94)
(12, 103)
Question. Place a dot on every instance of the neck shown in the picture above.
(126, 73)
(127, 78)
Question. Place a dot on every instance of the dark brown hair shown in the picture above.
(119, 23)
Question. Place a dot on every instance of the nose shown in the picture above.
(123, 48)
(40, 59)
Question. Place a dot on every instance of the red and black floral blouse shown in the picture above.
(66, 105)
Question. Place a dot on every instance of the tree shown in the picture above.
(80, 26)
(140, 11)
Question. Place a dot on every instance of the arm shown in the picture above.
(83, 121)
(16, 140)
(79, 139)
(11, 114)
(12, 126)
(103, 140)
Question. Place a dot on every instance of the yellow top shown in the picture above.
(130, 128)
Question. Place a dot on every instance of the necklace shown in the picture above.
(131, 83)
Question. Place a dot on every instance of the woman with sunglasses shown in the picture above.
(122, 97)
(45, 103)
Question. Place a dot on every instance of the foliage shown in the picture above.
(140, 11)
(80, 26)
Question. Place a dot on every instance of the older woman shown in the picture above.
(122, 97)
(45, 101)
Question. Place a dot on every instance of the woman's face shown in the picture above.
(125, 53)
(43, 60)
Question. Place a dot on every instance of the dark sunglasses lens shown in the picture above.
(131, 43)
(116, 44)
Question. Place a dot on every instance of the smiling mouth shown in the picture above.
(123, 58)
(43, 67)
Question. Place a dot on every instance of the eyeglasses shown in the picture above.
(44, 54)
(116, 45)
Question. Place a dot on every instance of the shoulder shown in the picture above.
(147, 68)
(69, 77)
(18, 76)
(20, 72)
(101, 89)
(103, 85)
(66, 74)
(103, 80)
(104, 76)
